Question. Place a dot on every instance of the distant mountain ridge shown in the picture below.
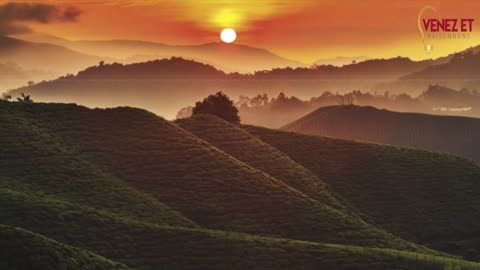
(460, 66)
(341, 60)
(228, 57)
(48, 57)
(157, 80)
(156, 69)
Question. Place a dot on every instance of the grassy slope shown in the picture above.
(426, 197)
(24, 250)
(449, 134)
(150, 246)
(34, 148)
(249, 149)
(205, 184)
(35, 162)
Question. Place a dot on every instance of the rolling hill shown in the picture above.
(23, 61)
(175, 168)
(48, 57)
(13, 76)
(439, 203)
(395, 186)
(22, 249)
(340, 61)
(449, 134)
(456, 71)
(125, 187)
(461, 66)
(149, 84)
(227, 57)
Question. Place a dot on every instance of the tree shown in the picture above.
(220, 105)
(25, 98)
(347, 99)
(242, 102)
(185, 112)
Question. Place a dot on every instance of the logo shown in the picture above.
(433, 28)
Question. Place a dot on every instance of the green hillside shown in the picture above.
(148, 246)
(429, 198)
(139, 245)
(177, 168)
(249, 149)
(36, 162)
(97, 187)
(25, 250)
(448, 134)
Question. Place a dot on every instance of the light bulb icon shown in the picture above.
(426, 45)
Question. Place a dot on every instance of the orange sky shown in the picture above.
(303, 30)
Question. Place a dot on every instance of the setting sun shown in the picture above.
(228, 35)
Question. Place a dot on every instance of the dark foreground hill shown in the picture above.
(137, 149)
(140, 191)
(400, 189)
(426, 197)
(449, 134)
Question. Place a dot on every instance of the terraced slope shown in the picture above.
(252, 151)
(36, 162)
(447, 134)
(158, 247)
(25, 250)
(206, 185)
(426, 197)
(149, 246)
(81, 183)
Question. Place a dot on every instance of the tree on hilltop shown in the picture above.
(220, 105)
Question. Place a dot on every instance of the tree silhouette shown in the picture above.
(220, 105)
(347, 100)
(25, 98)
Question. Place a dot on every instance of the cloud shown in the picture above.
(14, 15)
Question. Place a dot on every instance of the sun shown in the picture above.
(228, 35)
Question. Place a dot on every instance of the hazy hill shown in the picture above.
(446, 59)
(340, 60)
(13, 76)
(162, 85)
(44, 56)
(460, 66)
(173, 68)
(227, 57)
(426, 197)
(366, 74)
(136, 189)
(449, 101)
(454, 71)
(449, 134)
